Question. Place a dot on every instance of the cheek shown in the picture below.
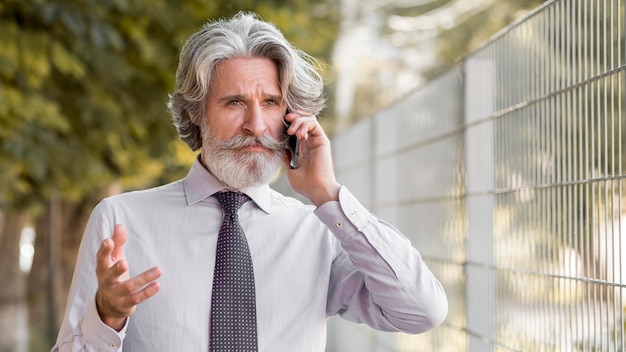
(276, 125)
(223, 128)
(278, 129)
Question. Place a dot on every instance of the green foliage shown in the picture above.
(458, 33)
(84, 83)
(473, 31)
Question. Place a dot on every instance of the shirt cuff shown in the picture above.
(359, 231)
(345, 217)
(100, 335)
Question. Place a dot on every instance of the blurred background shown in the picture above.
(83, 87)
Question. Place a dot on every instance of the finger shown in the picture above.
(119, 268)
(103, 256)
(141, 295)
(143, 279)
(126, 305)
(140, 287)
(119, 239)
(302, 125)
(291, 116)
(117, 273)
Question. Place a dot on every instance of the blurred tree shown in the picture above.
(453, 27)
(473, 29)
(83, 88)
(409, 42)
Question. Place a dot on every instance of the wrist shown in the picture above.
(322, 195)
(114, 323)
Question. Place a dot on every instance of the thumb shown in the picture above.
(119, 239)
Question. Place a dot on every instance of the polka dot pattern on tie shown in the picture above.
(233, 300)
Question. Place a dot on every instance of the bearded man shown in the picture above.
(218, 261)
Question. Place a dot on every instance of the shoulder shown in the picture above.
(152, 196)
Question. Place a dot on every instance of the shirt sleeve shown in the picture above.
(82, 329)
(378, 278)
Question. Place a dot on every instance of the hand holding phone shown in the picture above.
(315, 177)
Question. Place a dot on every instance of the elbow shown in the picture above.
(425, 323)
(431, 315)
(437, 309)
(437, 314)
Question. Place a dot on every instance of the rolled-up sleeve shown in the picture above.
(378, 277)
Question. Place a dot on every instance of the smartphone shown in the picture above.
(293, 146)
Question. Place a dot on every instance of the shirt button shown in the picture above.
(111, 345)
(339, 224)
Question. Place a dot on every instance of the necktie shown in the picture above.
(233, 301)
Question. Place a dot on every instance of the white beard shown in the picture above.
(238, 168)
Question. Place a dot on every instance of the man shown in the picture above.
(150, 287)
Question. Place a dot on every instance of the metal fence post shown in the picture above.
(479, 182)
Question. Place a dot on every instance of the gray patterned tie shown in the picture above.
(233, 301)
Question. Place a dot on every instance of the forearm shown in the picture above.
(400, 289)
(380, 278)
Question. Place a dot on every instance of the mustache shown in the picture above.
(242, 141)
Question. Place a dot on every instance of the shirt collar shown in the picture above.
(199, 184)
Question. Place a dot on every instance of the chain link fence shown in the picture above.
(507, 174)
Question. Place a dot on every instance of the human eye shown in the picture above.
(271, 102)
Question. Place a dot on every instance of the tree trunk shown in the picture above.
(13, 279)
(13, 316)
(59, 233)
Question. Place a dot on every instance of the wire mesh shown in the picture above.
(507, 174)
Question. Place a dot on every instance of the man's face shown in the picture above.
(243, 132)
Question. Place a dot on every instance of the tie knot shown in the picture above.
(231, 201)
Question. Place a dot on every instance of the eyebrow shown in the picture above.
(228, 98)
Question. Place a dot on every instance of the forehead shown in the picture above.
(242, 72)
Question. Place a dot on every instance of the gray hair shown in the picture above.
(245, 35)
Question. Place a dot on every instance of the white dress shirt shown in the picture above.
(309, 264)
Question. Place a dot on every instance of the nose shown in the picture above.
(254, 123)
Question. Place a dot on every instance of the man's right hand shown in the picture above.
(118, 294)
